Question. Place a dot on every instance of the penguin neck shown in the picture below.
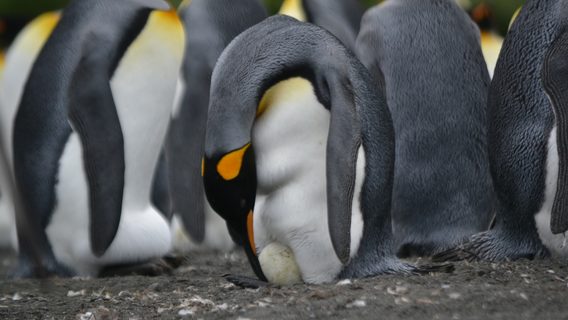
(294, 9)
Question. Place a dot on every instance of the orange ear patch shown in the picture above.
(230, 165)
(250, 231)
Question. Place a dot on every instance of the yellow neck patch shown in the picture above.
(287, 89)
(229, 167)
(294, 9)
(36, 33)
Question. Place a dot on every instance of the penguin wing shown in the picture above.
(555, 83)
(184, 150)
(343, 142)
(93, 115)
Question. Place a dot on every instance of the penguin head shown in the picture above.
(229, 176)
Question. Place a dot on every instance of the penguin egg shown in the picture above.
(279, 265)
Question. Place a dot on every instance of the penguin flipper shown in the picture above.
(343, 142)
(555, 83)
(160, 193)
(93, 115)
(184, 149)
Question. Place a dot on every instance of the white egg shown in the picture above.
(279, 265)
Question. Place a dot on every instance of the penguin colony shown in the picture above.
(325, 142)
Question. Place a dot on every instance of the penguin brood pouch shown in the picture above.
(428, 55)
(87, 133)
(527, 140)
(299, 156)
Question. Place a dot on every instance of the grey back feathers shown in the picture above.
(428, 56)
(340, 17)
(521, 119)
(520, 113)
(210, 26)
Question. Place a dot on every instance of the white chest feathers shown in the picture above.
(290, 215)
(555, 243)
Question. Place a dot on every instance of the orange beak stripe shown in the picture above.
(229, 166)
(250, 231)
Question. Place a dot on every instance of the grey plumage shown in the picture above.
(520, 121)
(427, 55)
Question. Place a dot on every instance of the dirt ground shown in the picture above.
(522, 290)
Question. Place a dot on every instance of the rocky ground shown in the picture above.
(522, 290)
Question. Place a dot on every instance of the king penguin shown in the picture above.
(527, 139)
(16, 67)
(340, 17)
(299, 156)
(85, 133)
(210, 25)
(428, 56)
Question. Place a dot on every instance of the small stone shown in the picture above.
(401, 290)
(86, 316)
(357, 304)
(72, 293)
(16, 297)
(223, 306)
(401, 300)
(344, 282)
(185, 312)
(454, 295)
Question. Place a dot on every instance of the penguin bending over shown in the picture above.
(87, 134)
(428, 56)
(303, 169)
(340, 17)
(210, 25)
(527, 146)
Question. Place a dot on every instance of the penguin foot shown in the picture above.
(245, 282)
(164, 266)
(48, 268)
(395, 267)
(495, 246)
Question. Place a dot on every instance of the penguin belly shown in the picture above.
(7, 223)
(143, 88)
(290, 140)
(556, 243)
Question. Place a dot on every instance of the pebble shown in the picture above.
(357, 304)
(454, 295)
(185, 312)
(344, 282)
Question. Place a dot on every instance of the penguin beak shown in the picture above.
(230, 185)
